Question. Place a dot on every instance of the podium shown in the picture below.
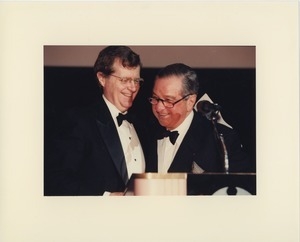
(149, 184)
(221, 183)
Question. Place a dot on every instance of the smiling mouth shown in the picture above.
(128, 95)
(162, 115)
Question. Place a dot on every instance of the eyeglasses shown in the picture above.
(166, 103)
(126, 80)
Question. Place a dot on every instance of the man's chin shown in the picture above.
(126, 106)
(162, 122)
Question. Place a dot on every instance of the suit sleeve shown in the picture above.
(65, 159)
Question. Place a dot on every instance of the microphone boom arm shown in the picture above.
(211, 111)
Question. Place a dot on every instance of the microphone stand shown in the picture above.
(214, 116)
(225, 153)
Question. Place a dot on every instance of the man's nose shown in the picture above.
(159, 106)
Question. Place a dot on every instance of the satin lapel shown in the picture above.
(184, 156)
(189, 148)
(111, 138)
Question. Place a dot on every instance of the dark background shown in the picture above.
(232, 88)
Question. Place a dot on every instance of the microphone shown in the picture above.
(207, 107)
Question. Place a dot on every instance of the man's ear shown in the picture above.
(101, 78)
(191, 101)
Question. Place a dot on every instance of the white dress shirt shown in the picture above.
(166, 150)
(134, 156)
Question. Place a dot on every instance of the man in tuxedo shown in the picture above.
(101, 145)
(188, 142)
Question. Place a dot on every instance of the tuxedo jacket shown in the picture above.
(86, 156)
(200, 148)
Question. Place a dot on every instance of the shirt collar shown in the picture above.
(112, 108)
(184, 126)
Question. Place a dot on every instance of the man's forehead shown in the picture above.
(167, 91)
(169, 82)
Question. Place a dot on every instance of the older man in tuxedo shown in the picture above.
(188, 142)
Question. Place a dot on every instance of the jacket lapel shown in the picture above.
(190, 149)
(111, 138)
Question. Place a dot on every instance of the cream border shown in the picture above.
(272, 215)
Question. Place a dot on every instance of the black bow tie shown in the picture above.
(173, 135)
(121, 117)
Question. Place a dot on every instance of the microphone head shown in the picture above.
(207, 107)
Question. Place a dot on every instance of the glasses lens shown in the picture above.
(168, 104)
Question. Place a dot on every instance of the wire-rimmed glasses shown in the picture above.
(126, 80)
